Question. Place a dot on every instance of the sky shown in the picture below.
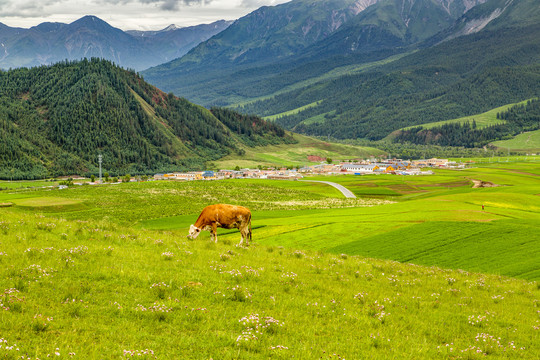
(127, 14)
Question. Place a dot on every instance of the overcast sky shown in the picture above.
(127, 14)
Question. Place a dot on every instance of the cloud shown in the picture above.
(167, 5)
(174, 5)
(127, 14)
(258, 3)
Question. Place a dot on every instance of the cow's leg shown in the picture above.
(244, 232)
(213, 232)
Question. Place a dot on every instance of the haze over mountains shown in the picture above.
(48, 43)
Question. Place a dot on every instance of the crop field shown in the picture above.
(415, 269)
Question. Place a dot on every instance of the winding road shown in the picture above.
(346, 192)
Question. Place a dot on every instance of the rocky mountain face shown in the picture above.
(494, 14)
(272, 33)
(90, 36)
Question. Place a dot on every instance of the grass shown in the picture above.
(6, 185)
(295, 154)
(482, 120)
(96, 290)
(117, 277)
(528, 141)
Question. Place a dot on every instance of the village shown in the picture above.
(363, 167)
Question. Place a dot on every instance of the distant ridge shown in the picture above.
(90, 36)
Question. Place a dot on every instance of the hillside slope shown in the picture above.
(452, 79)
(56, 120)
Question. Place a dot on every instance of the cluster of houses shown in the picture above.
(390, 166)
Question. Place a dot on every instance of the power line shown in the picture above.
(100, 160)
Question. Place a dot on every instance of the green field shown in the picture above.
(294, 154)
(528, 141)
(6, 185)
(412, 269)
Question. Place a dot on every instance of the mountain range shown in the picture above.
(385, 65)
(88, 37)
(302, 33)
(335, 68)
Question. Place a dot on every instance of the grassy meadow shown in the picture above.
(482, 120)
(412, 269)
(527, 141)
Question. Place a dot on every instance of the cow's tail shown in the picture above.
(249, 233)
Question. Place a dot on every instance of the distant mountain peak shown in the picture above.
(171, 28)
(90, 36)
(361, 5)
(90, 20)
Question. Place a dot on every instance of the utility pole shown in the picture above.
(100, 160)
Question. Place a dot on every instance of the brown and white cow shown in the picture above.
(223, 216)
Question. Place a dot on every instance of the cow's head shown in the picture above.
(193, 232)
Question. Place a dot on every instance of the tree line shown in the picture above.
(517, 119)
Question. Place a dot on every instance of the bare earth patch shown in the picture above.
(483, 184)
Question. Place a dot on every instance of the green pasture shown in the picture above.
(431, 212)
(93, 289)
(292, 112)
(7, 185)
(308, 215)
(414, 268)
(527, 141)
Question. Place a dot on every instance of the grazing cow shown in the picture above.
(224, 216)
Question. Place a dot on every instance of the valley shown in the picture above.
(426, 261)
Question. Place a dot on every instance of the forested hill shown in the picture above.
(55, 120)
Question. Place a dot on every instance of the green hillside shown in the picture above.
(442, 81)
(482, 120)
(508, 122)
(56, 120)
(527, 141)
